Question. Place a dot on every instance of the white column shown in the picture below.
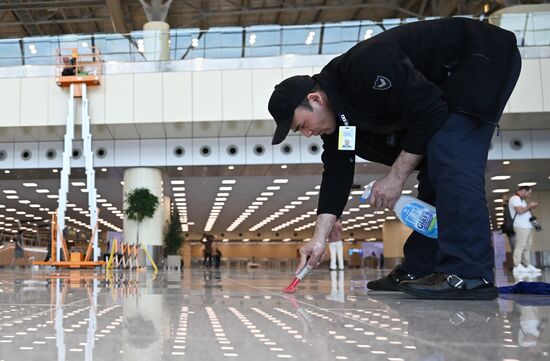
(150, 232)
(156, 45)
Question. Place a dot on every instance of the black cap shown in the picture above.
(287, 95)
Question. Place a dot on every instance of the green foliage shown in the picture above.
(141, 204)
(173, 237)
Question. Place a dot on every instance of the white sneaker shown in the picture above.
(520, 269)
(533, 269)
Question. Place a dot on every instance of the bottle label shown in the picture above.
(420, 218)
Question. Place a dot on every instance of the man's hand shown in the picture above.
(313, 253)
(386, 191)
(533, 205)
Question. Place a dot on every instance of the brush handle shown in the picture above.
(302, 274)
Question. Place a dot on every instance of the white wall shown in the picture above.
(200, 95)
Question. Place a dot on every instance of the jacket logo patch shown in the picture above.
(381, 83)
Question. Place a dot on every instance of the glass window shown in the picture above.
(369, 29)
(37, 51)
(10, 52)
(223, 43)
(180, 42)
(263, 40)
(114, 47)
(301, 39)
(390, 23)
(541, 28)
(514, 23)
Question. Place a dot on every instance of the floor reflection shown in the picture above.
(224, 313)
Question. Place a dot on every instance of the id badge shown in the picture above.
(346, 137)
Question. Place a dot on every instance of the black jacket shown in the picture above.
(398, 88)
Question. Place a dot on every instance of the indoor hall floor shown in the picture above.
(225, 314)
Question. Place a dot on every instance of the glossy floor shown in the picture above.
(242, 315)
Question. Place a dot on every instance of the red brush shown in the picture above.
(291, 288)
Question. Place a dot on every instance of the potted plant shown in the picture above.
(173, 240)
(141, 204)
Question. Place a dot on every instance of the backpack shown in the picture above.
(507, 226)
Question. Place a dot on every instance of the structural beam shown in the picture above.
(117, 17)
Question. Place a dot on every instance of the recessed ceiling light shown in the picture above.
(284, 166)
(226, 188)
(178, 189)
(178, 182)
(314, 193)
(506, 162)
(501, 190)
(527, 184)
(229, 181)
(9, 191)
(280, 181)
(501, 177)
(78, 184)
(30, 185)
(230, 167)
(12, 197)
(42, 191)
(276, 188)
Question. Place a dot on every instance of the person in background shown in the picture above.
(207, 243)
(217, 257)
(18, 253)
(68, 67)
(520, 211)
(336, 246)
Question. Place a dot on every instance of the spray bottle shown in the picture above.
(414, 213)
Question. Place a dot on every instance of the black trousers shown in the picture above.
(453, 179)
